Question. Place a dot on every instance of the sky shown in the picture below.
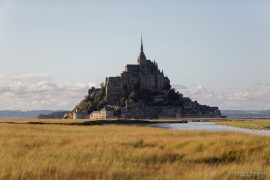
(214, 51)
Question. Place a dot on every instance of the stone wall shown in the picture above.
(141, 111)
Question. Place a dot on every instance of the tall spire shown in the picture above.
(141, 56)
(141, 43)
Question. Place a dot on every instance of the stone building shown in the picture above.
(145, 75)
(141, 91)
(105, 113)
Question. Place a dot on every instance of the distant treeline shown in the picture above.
(246, 113)
(9, 114)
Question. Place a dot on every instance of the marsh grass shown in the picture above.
(32, 151)
(258, 124)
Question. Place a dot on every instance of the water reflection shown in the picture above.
(209, 126)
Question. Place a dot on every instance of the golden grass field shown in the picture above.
(250, 124)
(30, 151)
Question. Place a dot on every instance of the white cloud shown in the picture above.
(256, 97)
(38, 91)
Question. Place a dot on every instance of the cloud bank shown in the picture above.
(256, 97)
(40, 91)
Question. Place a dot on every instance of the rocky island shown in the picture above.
(142, 91)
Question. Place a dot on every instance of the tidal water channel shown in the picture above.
(208, 126)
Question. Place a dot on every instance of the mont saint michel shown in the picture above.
(141, 91)
(84, 96)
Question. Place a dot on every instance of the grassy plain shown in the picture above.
(32, 151)
(250, 123)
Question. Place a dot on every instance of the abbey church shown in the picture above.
(140, 91)
(143, 75)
